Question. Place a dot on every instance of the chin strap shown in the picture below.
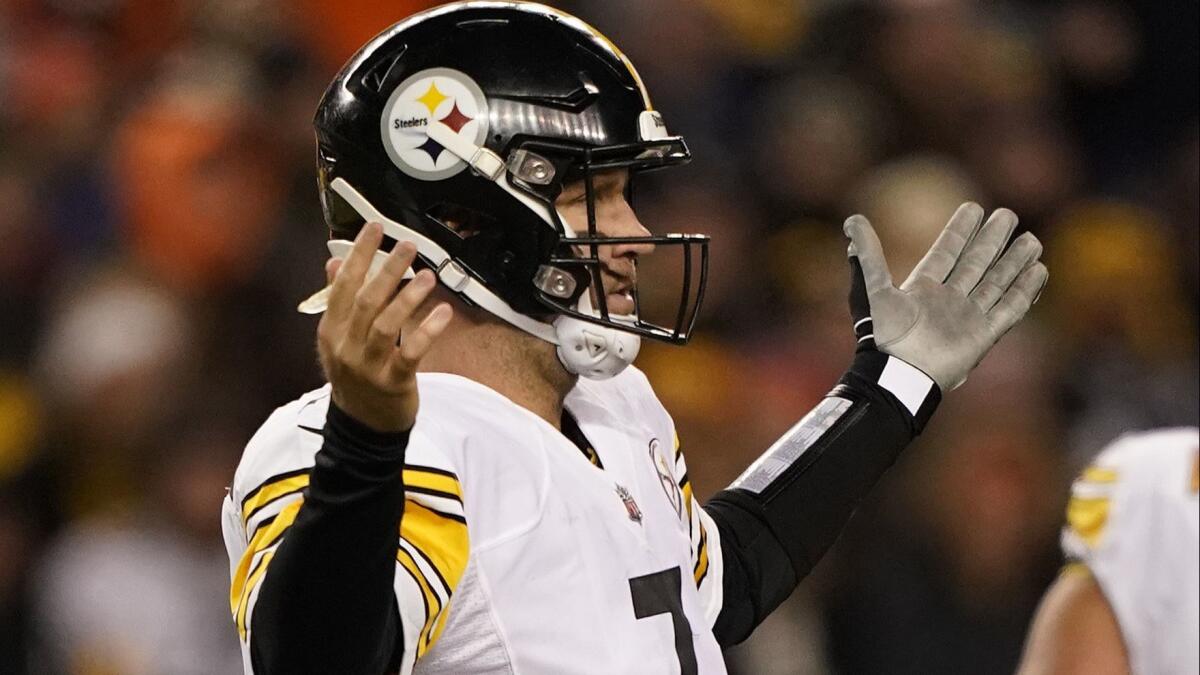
(593, 351)
(340, 248)
(482, 161)
(449, 272)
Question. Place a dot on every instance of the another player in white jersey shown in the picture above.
(535, 515)
(1128, 600)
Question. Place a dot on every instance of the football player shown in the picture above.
(487, 484)
(1128, 600)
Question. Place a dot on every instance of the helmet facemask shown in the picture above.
(571, 282)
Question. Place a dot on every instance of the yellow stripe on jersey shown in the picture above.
(255, 577)
(1087, 517)
(1098, 474)
(270, 491)
(436, 480)
(440, 538)
(701, 567)
(685, 483)
(244, 579)
(433, 605)
(686, 489)
(1196, 472)
(444, 543)
(592, 457)
(443, 540)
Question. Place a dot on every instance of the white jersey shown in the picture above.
(1134, 520)
(517, 554)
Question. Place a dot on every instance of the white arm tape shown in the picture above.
(908, 384)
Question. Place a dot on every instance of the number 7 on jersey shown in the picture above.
(658, 593)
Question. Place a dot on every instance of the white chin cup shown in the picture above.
(591, 350)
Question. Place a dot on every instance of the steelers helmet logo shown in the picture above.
(433, 96)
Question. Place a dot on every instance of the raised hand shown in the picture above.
(371, 365)
(960, 299)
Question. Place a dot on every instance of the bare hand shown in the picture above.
(370, 365)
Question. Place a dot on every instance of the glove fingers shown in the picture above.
(1023, 252)
(940, 259)
(1017, 299)
(983, 251)
(864, 245)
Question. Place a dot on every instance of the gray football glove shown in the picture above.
(959, 300)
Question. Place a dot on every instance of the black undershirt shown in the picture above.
(570, 428)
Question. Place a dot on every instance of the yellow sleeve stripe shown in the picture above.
(685, 483)
(433, 605)
(436, 481)
(701, 568)
(440, 538)
(259, 571)
(268, 492)
(443, 542)
(1196, 473)
(1087, 518)
(1097, 474)
(687, 497)
(244, 579)
(439, 482)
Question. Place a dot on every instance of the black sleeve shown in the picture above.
(326, 604)
(783, 514)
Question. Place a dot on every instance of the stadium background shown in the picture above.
(159, 222)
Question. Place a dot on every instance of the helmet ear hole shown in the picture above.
(483, 241)
(461, 221)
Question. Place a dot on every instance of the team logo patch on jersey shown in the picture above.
(434, 96)
(631, 507)
(666, 477)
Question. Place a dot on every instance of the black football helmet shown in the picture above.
(480, 113)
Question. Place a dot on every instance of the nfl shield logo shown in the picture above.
(631, 507)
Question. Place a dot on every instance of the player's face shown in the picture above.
(614, 218)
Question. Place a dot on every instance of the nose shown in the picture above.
(627, 225)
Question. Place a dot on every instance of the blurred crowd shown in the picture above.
(159, 223)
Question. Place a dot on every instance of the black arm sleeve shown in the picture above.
(326, 604)
(780, 518)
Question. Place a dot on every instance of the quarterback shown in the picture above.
(1128, 600)
(487, 484)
